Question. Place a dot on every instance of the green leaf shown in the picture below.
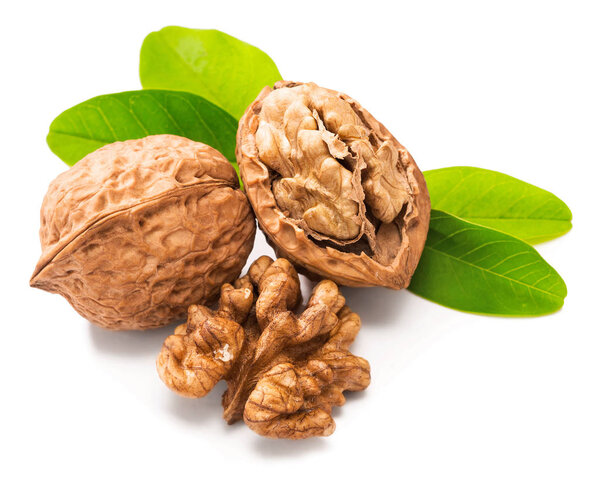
(476, 269)
(499, 201)
(135, 114)
(226, 71)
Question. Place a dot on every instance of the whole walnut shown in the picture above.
(284, 371)
(137, 231)
(332, 189)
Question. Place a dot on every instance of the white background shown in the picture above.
(510, 86)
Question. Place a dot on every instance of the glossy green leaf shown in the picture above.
(499, 201)
(136, 114)
(476, 269)
(226, 71)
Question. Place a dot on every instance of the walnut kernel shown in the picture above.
(332, 189)
(284, 371)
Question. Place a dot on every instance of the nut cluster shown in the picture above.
(141, 232)
(284, 371)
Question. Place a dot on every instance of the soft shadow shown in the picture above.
(351, 397)
(129, 343)
(197, 411)
(377, 305)
(306, 287)
(286, 448)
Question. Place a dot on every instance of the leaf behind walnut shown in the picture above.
(219, 67)
(476, 269)
(136, 114)
(499, 201)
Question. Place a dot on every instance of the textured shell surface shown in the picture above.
(138, 230)
(332, 189)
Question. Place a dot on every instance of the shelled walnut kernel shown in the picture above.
(284, 371)
(332, 189)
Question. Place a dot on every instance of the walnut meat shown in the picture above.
(332, 189)
(284, 371)
(138, 230)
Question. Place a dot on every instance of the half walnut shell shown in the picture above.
(331, 188)
(138, 230)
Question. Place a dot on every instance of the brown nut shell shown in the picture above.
(332, 189)
(137, 231)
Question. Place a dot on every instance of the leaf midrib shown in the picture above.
(215, 140)
(494, 273)
(71, 135)
(533, 219)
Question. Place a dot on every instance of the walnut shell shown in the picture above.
(331, 188)
(137, 231)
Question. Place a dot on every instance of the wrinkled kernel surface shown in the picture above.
(284, 371)
(332, 189)
(328, 162)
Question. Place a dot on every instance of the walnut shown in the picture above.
(137, 231)
(332, 189)
(284, 371)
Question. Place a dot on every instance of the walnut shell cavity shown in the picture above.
(137, 231)
(332, 189)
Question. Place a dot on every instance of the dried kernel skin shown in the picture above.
(285, 372)
(333, 190)
(139, 230)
